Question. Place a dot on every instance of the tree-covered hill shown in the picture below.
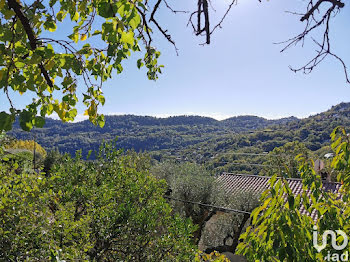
(235, 152)
(139, 132)
(253, 122)
(190, 137)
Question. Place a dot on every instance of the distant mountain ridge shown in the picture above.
(146, 133)
(255, 122)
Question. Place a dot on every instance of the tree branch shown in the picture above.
(17, 8)
(164, 32)
(173, 10)
(224, 16)
(206, 22)
(313, 23)
(317, 5)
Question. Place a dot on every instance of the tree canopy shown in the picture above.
(33, 59)
(110, 209)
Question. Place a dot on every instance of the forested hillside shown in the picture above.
(245, 151)
(140, 132)
(193, 138)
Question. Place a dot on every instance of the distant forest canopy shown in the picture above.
(194, 138)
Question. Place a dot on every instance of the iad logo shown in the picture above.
(333, 235)
(333, 239)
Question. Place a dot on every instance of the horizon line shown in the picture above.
(80, 118)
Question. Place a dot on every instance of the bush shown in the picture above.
(103, 210)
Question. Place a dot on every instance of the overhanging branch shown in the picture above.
(316, 18)
(17, 8)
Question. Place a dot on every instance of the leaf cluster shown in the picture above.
(282, 227)
(109, 209)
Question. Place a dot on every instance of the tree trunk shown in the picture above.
(235, 240)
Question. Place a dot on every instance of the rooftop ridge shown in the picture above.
(268, 177)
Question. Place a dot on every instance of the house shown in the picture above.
(232, 184)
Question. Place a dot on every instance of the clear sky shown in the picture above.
(242, 72)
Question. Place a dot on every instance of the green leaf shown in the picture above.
(267, 201)
(96, 32)
(39, 121)
(19, 64)
(140, 4)
(74, 37)
(128, 37)
(291, 201)
(6, 121)
(139, 63)
(36, 58)
(8, 14)
(50, 25)
(101, 120)
(25, 120)
(111, 49)
(105, 10)
(75, 17)
(135, 22)
(61, 15)
(72, 114)
(101, 99)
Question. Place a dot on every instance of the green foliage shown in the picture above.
(223, 230)
(227, 152)
(100, 35)
(188, 181)
(192, 182)
(212, 257)
(6, 121)
(52, 158)
(110, 209)
(133, 132)
(282, 160)
(198, 139)
(24, 214)
(281, 231)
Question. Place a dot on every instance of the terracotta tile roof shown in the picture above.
(233, 183)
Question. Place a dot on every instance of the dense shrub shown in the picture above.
(110, 209)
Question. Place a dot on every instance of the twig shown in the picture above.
(164, 32)
(172, 10)
(223, 18)
(314, 22)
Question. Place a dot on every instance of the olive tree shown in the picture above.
(189, 182)
(222, 233)
(190, 186)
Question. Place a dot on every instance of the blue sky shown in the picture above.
(241, 73)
